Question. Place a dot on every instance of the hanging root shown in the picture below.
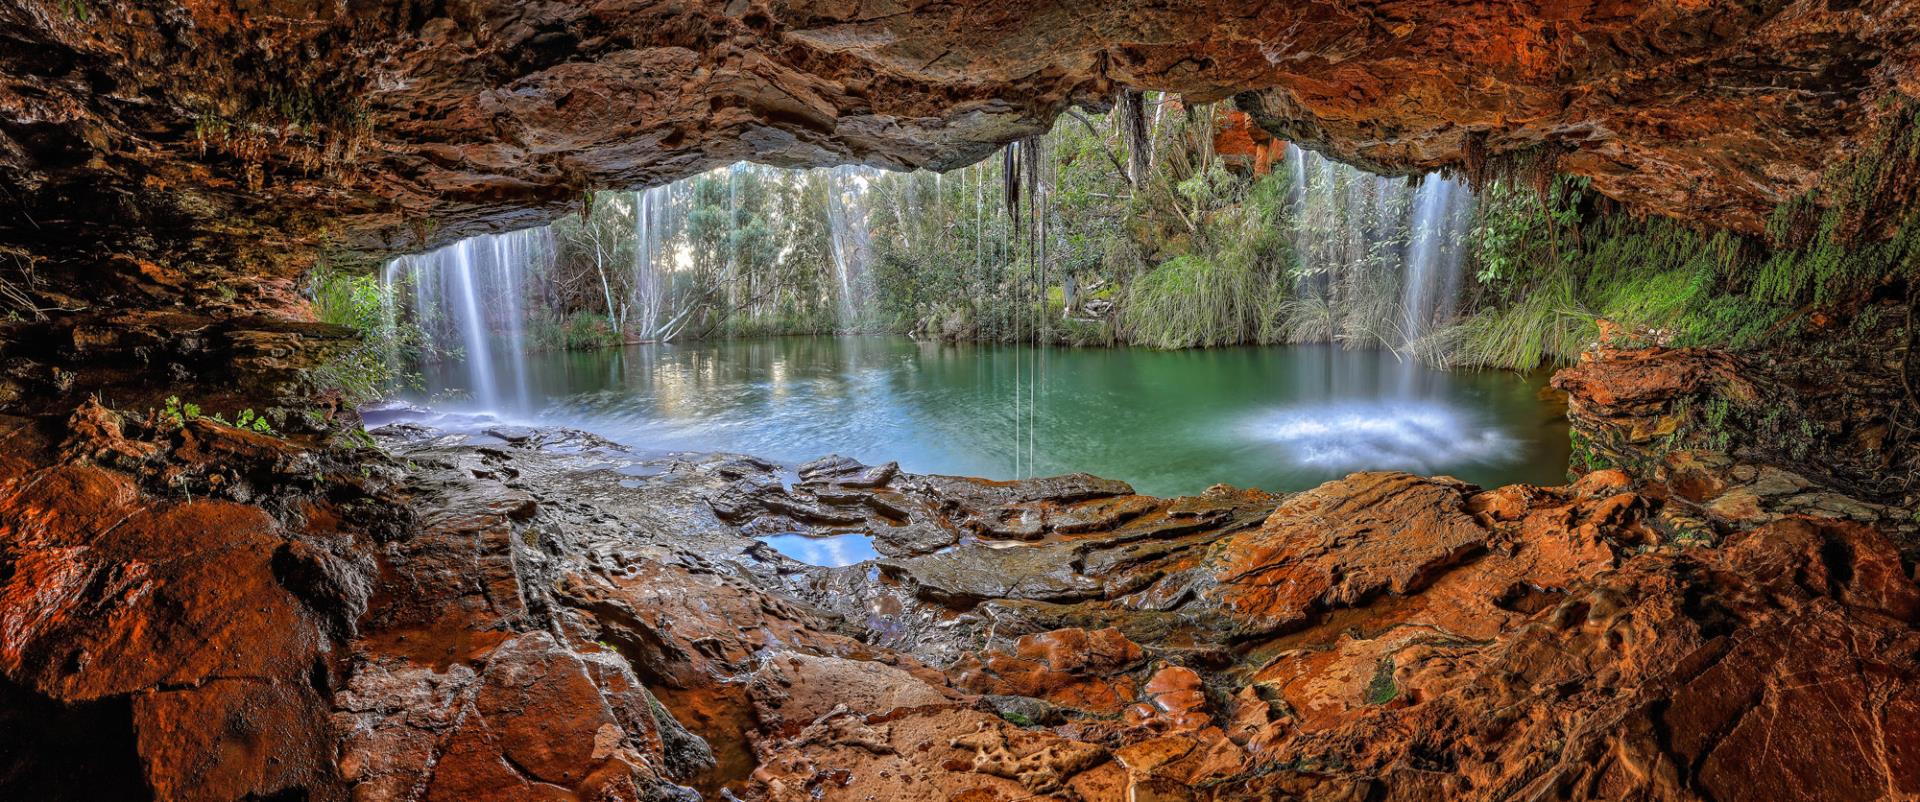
(1533, 167)
(1010, 177)
(18, 284)
(1133, 123)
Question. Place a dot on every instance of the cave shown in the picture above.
(775, 400)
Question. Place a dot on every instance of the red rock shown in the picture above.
(1438, 642)
(1042, 763)
(1340, 545)
(1068, 667)
(1620, 400)
(1602, 483)
(791, 690)
(1245, 145)
(266, 741)
(177, 604)
(936, 755)
(1849, 561)
(535, 726)
(394, 128)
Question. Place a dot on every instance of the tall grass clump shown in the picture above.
(1307, 319)
(1548, 322)
(1192, 301)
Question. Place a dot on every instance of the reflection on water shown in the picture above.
(1170, 422)
(1416, 435)
(832, 551)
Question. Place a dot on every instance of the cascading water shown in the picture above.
(849, 241)
(729, 283)
(651, 220)
(469, 300)
(473, 327)
(1381, 256)
(1380, 265)
(1430, 283)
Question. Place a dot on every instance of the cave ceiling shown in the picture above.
(372, 128)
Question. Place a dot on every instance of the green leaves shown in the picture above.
(247, 420)
(175, 414)
(373, 367)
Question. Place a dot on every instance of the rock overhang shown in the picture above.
(294, 127)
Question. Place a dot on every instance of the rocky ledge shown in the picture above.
(196, 612)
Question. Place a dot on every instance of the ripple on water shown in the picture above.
(831, 551)
(1413, 435)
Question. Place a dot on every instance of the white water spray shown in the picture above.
(471, 295)
(848, 239)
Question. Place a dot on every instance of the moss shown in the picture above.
(1717, 419)
(1585, 456)
(1382, 689)
(1858, 225)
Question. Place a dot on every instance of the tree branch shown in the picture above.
(1112, 158)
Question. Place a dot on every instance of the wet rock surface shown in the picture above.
(193, 611)
(517, 614)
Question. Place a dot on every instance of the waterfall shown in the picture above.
(1379, 258)
(1434, 256)
(1431, 291)
(512, 257)
(471, 296)
(848, 240)
(1380, 262)
(1297, 188)
(473, 328)
(728, 282)
(651, 208)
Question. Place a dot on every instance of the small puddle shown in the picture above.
(832, 551)
(638, 473)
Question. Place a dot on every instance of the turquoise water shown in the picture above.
(1169, 422)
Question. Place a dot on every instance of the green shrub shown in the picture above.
(175, 414)
(1193, 301)
(589, 330)
(375, 365)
